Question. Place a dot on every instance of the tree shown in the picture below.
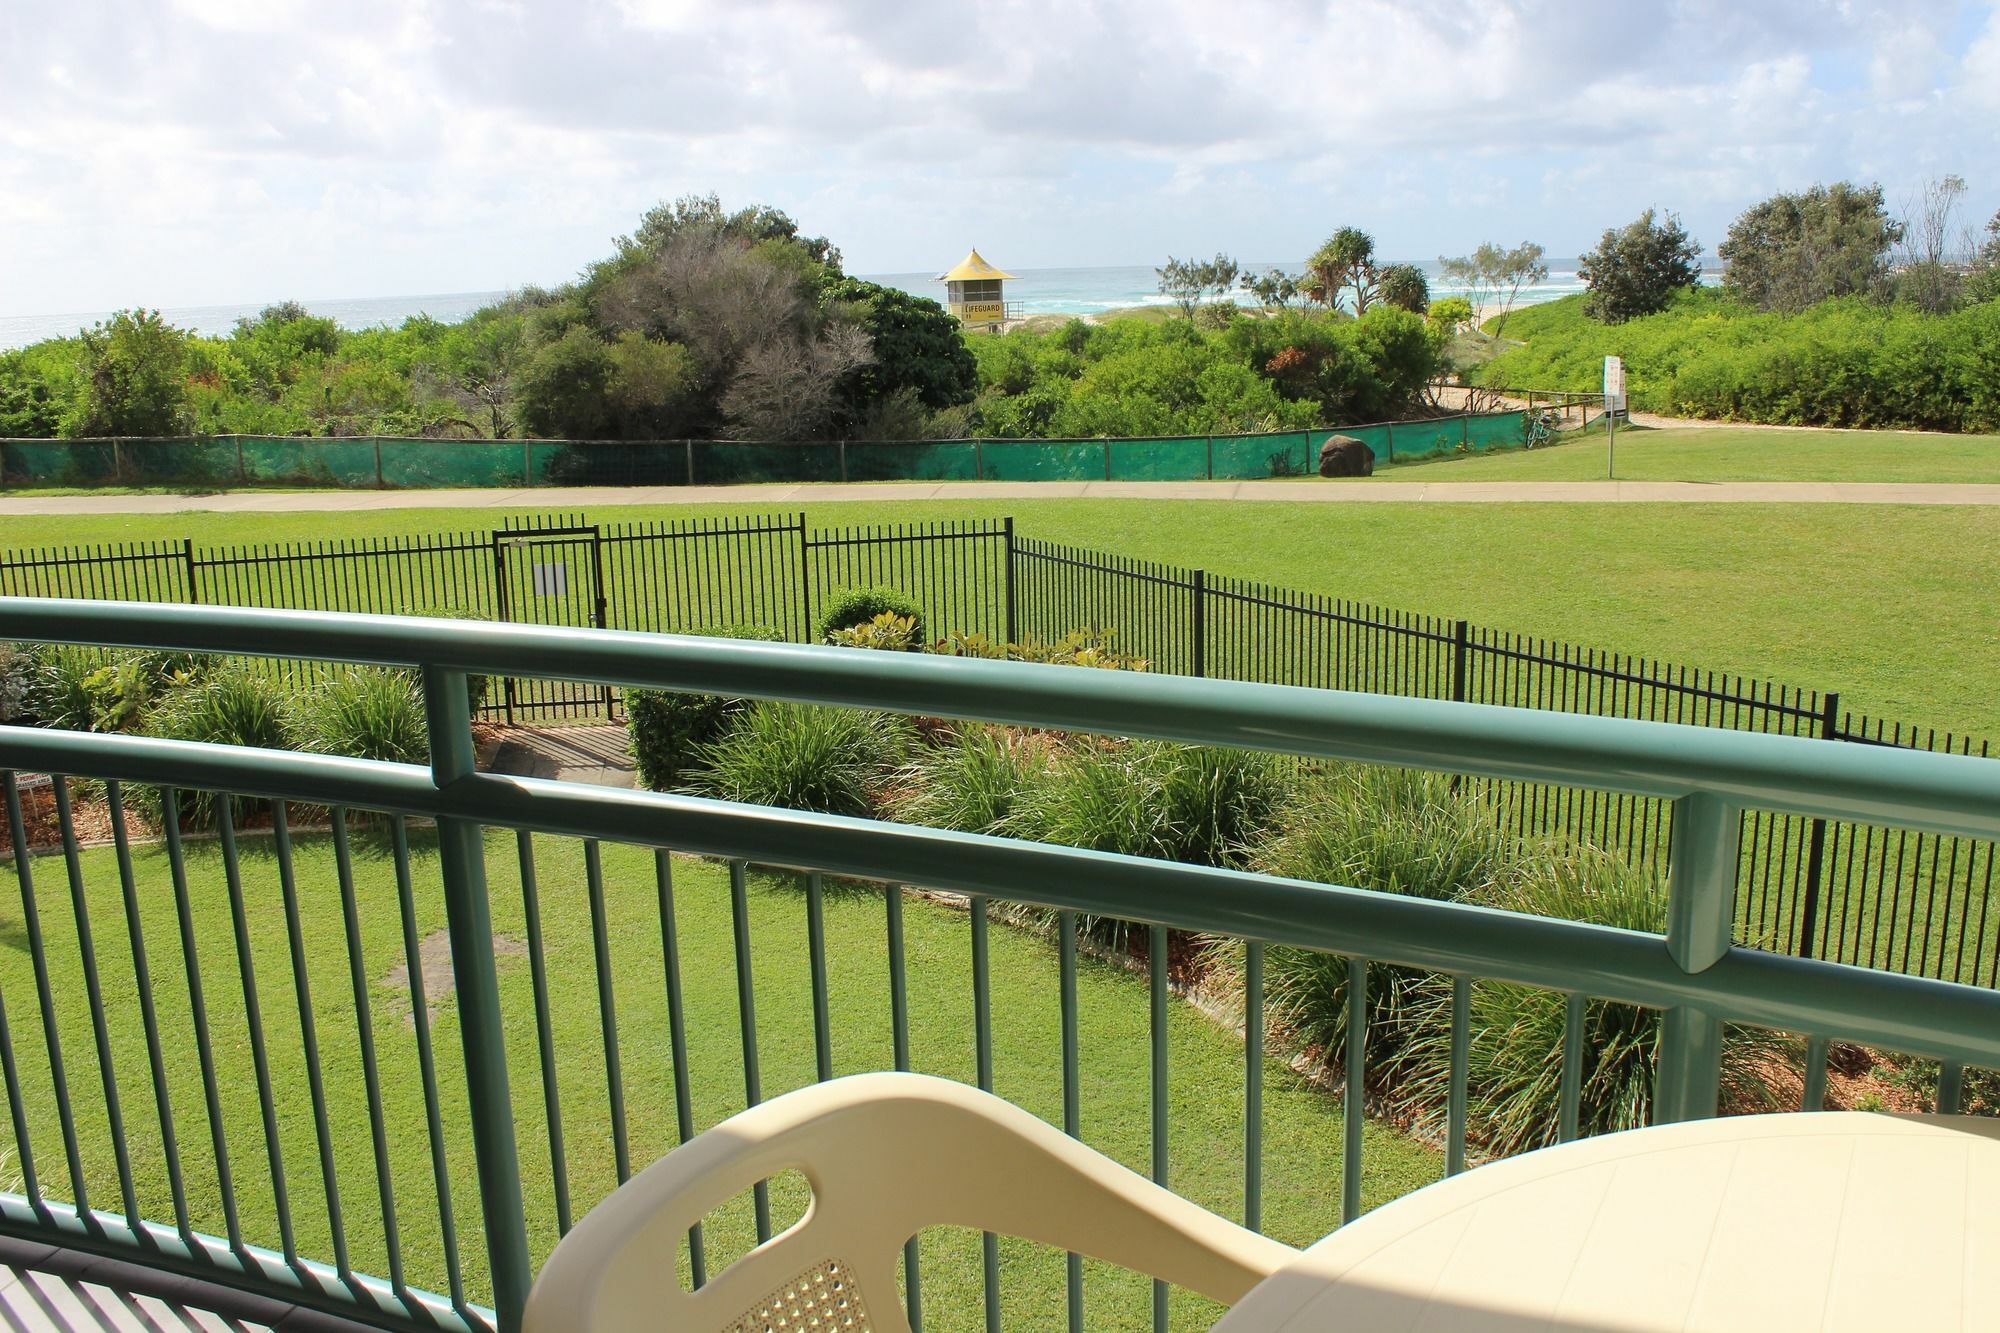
(1796, 250)
(1450, 313)
(1346, 262)
(1983, 284)
(560, 394)
(1932, 243)
(1404, 286)
(1187, 281)
(1492, 275)
(1274, 287)
(135, 378)
(917, 346)
(1636, 269)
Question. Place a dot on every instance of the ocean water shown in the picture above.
(1091, 291)
(1040, 291)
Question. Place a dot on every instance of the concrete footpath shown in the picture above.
(1313, 492)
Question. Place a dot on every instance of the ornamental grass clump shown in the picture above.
(1366, 827)
(366, 713)
(970, 783)
(807, 757)
(234, 705)
(672, 732)
(1514, 1074)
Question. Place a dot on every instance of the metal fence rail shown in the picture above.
(312, 1140)
(1868, 896)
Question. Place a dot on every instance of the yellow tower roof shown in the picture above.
(972, 268)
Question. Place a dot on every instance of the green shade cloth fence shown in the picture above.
(368, 463)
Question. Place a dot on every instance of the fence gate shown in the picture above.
(551, 576)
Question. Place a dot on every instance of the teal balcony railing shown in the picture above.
(208, 1072)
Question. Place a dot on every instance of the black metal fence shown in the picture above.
(1892, 899)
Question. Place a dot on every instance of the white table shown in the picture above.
(1828, 1221)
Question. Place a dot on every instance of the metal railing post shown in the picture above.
(1200, 626)
(1013, 602)
(1702, 857)
(1829, 728)
(468, 919)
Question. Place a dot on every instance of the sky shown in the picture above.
(189, 152)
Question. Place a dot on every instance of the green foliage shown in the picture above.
(1515, 1070)
(1083, 647)
(1369, 369)
(1389, 830)
(135, 378)
(970, 783)
(804, 757)
(1405, 286)
(563, 390)
(1188, 281)
(1197, 804)
(1840, 363)
(1637, 269)
(365, 713)
(918, 348)
(850, 607)
(672, 733)
(236, 704)
(1450, 313)
(887, 632)
(1793, 251)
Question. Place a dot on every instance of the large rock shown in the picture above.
(1345, 456)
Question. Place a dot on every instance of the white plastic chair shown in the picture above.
(886, 1155)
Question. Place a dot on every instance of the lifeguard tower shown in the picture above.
(972, 292)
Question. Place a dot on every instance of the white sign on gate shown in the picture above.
(551, 580)
(1614, 384)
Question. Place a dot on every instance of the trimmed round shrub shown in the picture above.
(366, 713)
(806, 757)
(858, 606)
(672, 732)
(1514, 1078)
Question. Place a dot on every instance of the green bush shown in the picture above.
(1199, 804)
(1083, 647)
(1367, 827)
(366, 713)
(672, 732)
(857, 606)
(1844, 362)
(78, 688)
(969, 784)
(20, 665)
(805, 757)
(236, 704)
(1514, 1079)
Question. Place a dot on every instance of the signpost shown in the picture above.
(1614, 403)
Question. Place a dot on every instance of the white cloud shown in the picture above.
(247, 150)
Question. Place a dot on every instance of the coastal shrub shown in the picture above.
(858, 606)
(1514, 1079)
(1385, 829)
(1843, 362)
(806, 757)
(672, 732)
(887, 632)
(365, 713)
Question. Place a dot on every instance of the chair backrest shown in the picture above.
(886, 1156)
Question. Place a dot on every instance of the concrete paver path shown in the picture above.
(1332, 492)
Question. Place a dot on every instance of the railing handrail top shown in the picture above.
(1919, 790)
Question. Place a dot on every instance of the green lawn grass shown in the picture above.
(1725, 453)
(1301, 1126)
(1890, 605)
